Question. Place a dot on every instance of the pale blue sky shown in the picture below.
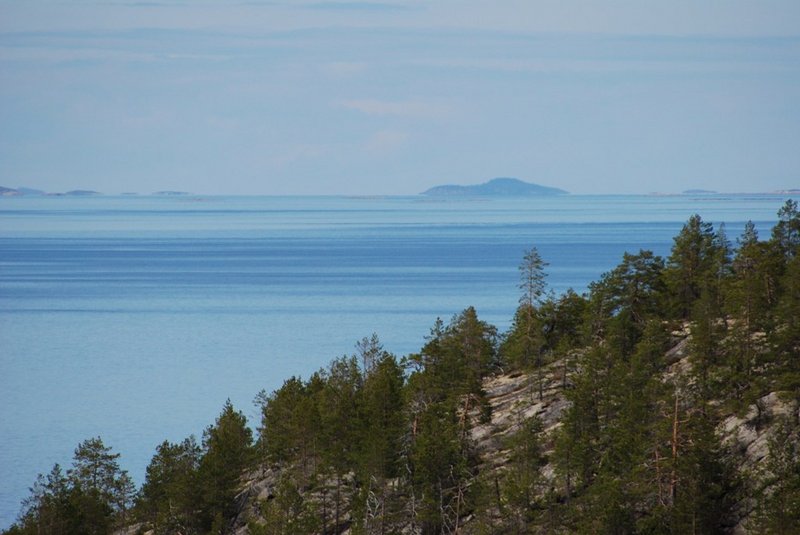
(329, 97)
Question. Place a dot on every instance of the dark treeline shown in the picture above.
(377, 444)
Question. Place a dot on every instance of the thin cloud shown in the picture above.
(408, 108)
(344, 68)
(358, 6)
(385, 141)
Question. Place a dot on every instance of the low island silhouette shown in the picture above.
(497, 187)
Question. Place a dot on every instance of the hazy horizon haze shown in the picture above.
(392, 98)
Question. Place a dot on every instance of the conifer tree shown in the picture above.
(470, 346)
(785, 338)
(228, 451)
(95, 468)
(455, 358)
(288, 512)
(370, 350)
(578, 440)
(170, 495)
(521, 484)
(704, 487)
(532, 277)
(786, 233)
(778, 493)
(87, 500)
(337, 403)
(689, 263)
(383, 424)
(624, 299)
(290, 422)
(441, 463)
(748, 302)
(523, 345)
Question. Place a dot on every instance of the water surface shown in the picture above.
(134, 318)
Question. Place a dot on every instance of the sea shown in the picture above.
(134, 318)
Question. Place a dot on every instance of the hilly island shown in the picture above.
(497, 187)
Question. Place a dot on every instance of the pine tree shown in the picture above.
(95, 468)
(709, 329)
(288, 512)
(748, 301)
(383, 421)
(170, 493)
(785, 338)
(532, 277)
(578, 440)
(441, 463)
(470, 347)
(290, 422)
(523, 345)
(624, 300)
(88, 500)
(704, 489)
(689, 264)
(778, 496)
(370, 350)
(338, 405)
(456, 358)
(228, 451)
(521, 482)
(786, 234)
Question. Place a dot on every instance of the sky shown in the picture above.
(391, 98)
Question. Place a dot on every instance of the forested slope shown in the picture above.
(665, 400)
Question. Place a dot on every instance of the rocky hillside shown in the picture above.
(514, 398)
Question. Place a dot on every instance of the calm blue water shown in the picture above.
(134, 318)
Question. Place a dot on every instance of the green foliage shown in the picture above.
(532, 276)
(170, 493)
(562, 321)
(785, 338)
(707, 352)
(95, 467)
(624, 300)
(338, 409)
(690, 264)
(228, 451)
(778, 509)
(705, 488)
(383, 422)
(455, 358)
(287, 512)
(290, 422)
(89, 499)
(523, 345)
(345, 419)
(520, 488)
(440, 462)
(786, 234)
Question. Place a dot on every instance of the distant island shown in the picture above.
(82, 193)
(497, 187)
(699, 192)
(170, 193)
(13, 192)
(30, 191)
(8, 192)
(24, 191)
